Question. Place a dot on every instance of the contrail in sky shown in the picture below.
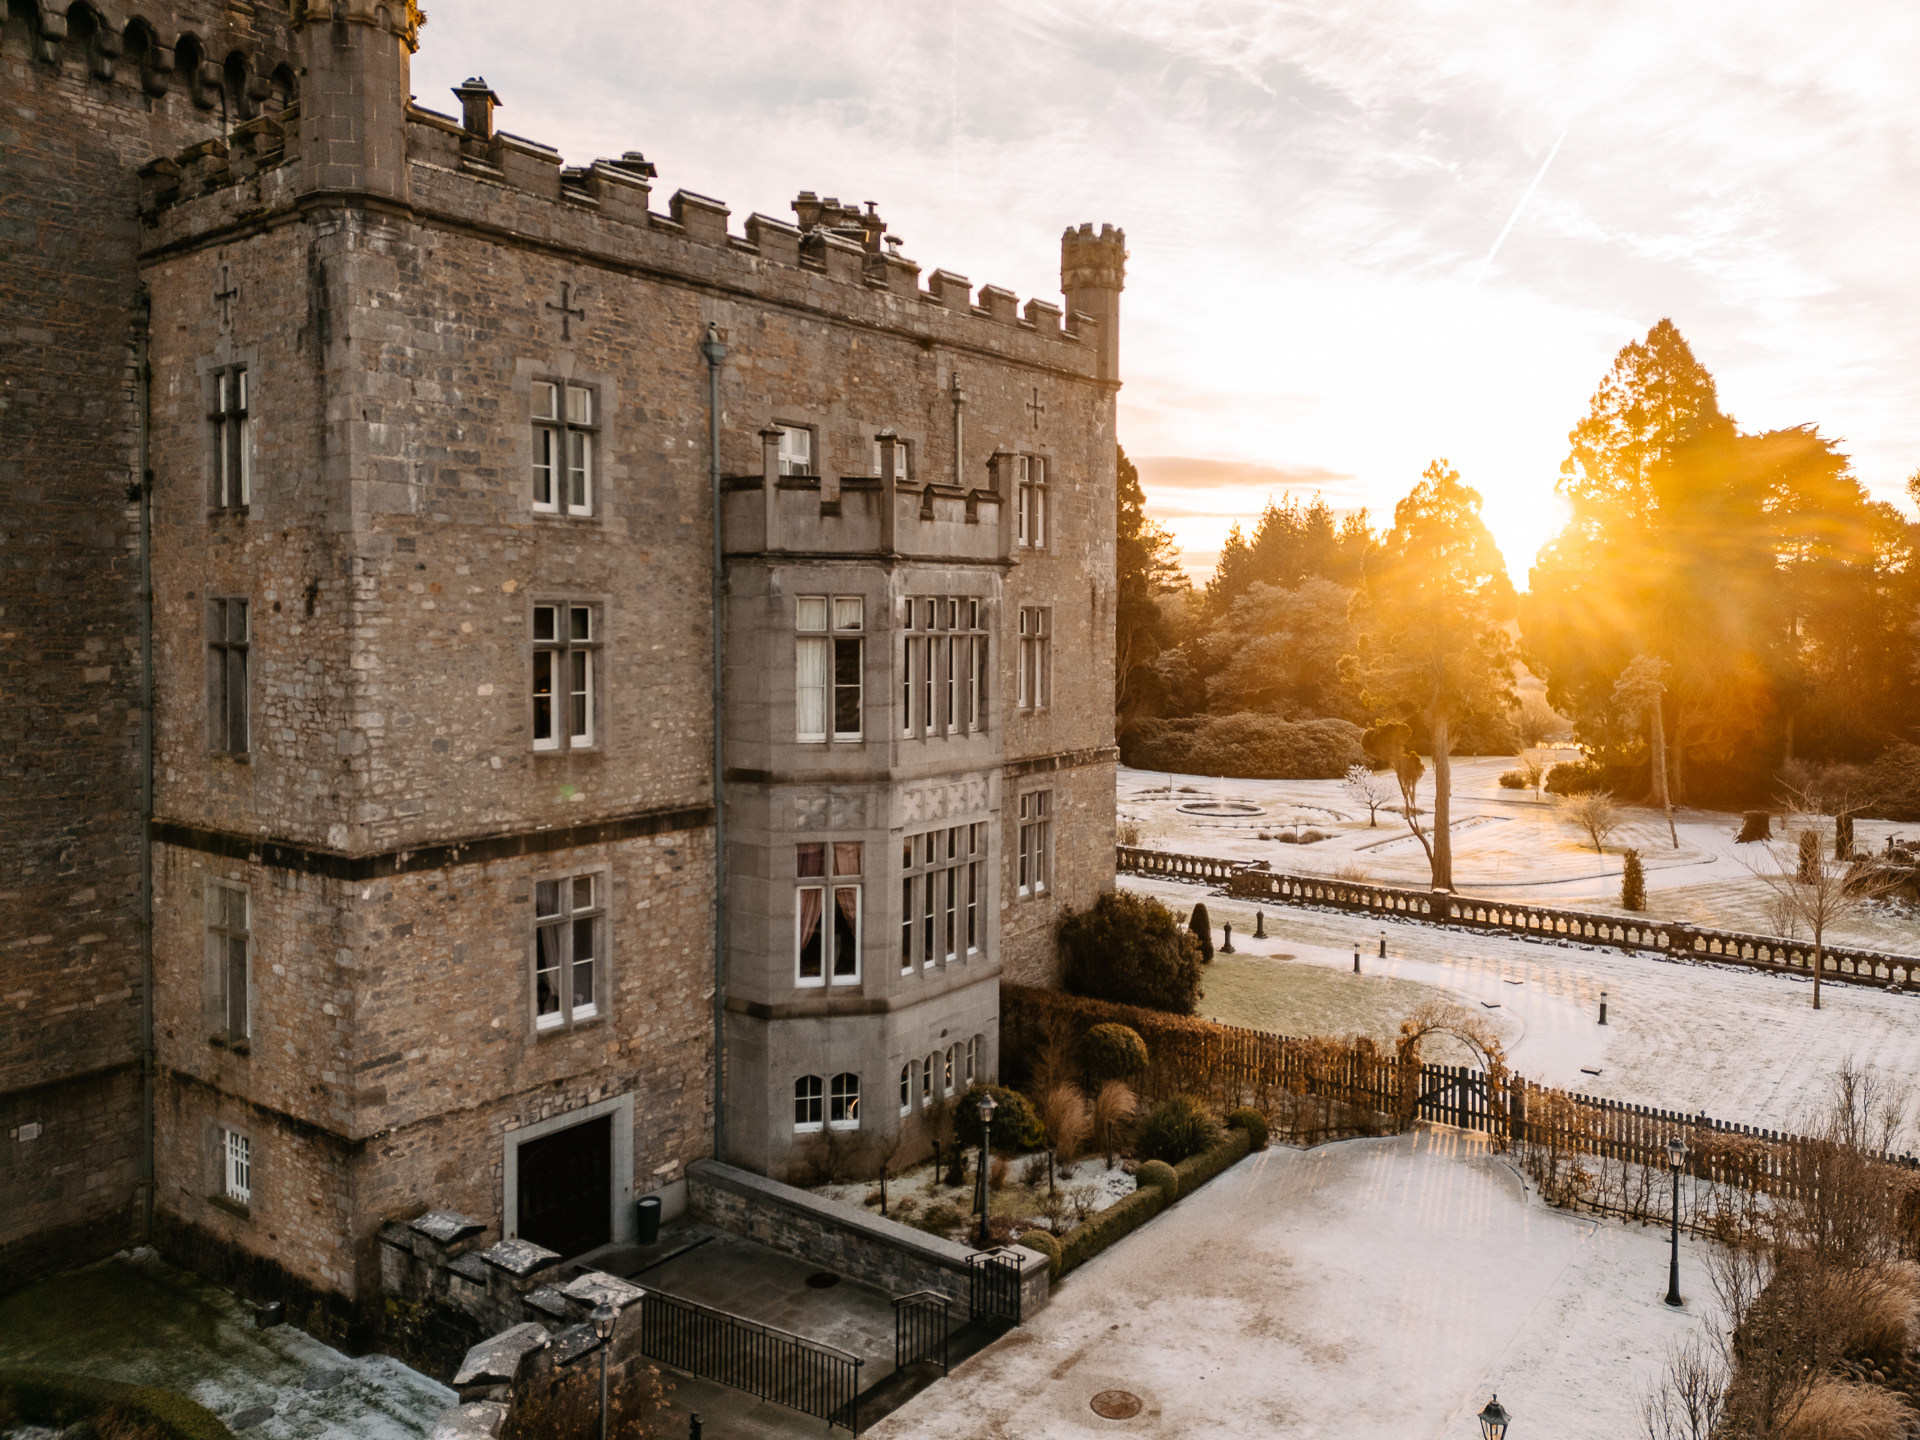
(1518, 208)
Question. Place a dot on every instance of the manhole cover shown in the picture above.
(1116, 1404)
(823, 1280)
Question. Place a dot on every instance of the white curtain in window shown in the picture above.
(812, 687)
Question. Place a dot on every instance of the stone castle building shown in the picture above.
(361, 603)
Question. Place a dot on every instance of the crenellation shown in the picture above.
(701, 217)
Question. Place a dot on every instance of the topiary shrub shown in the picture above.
(1514, 780)
(1196, 1170)
(1174, 1129)
(1121, 1218)
(1112, 1052)
(1041, 1243)
(1201, 926)
(1129, 949)
(1158, 1175)
(1633, 882)
(1253, 1122)
(1015, 1126)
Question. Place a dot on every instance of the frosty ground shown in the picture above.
(1736, 1044)
(1375, 1289)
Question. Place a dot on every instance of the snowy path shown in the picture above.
(1378, 1289)
(1737, 1044)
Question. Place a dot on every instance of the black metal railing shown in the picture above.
(770, 1364)
(920, 1329)
(996, 1286)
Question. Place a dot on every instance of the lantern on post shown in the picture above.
(1494, 1420)
(1676, 1157)
(604, 1317)
(986, 1150)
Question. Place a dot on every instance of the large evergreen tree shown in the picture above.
(1430, 624)
(1146, 572)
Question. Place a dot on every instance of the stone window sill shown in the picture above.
(231, 1206)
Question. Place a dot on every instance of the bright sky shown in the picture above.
(1312, 194)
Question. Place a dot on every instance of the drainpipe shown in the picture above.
(715, 352)
(143, 393)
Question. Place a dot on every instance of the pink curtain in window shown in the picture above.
(810, 907)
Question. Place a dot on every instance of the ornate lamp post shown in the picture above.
(986, 1151)
(604, 1316)
(1494, 1420)
(1676, 1157)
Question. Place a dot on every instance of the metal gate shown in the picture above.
(771, 1364)
(920, 1329)
(996, 1286)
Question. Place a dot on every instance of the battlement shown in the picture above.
(465, 169)
(232, 62)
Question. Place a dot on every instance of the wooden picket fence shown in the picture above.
(1318, 1088)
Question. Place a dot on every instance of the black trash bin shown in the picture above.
(649, 1207)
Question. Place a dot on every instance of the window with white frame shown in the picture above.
(946, 1072)
(1036, 842)
(566, 663)
(943, 666)
(228, 640)
(830, 656)
(796, 449)
(1030, 473)
(926, 1082)
(973, 1060)
(236, 1164)
(827, 912)
(233, 440)
(563, 441)
(906, 1088)
(1036, 657)
(942, 894)
(227, 943)
(843, 1101)
(807, 1103)
(902, 464)
(569, 948)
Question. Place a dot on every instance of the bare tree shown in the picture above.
(1535, 720)
(1533, 769)
(1371, 788)
(1595, 813)
(1814, 885)
(1639, 689)
(1691, 1397)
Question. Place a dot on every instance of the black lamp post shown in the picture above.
(1676, 1157)
(1494, 1420)
(604, 1316)
(986, 1149)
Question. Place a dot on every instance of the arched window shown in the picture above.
(973, 1060)
(906, 1088)
(946, 1073)
(843, 1101)
(236, 89)
(807, 1091)
(286, 89)
(929, 1065)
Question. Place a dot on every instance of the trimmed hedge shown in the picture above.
(1252, 747)
(1119, 1219)
(1041, 1243)
(1253, 1122)
(47, 1397)
(1196, 1170)
(1162, 1176)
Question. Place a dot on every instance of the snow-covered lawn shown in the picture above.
(1506, 843)
(1372, 1289)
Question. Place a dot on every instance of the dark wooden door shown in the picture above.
(566, 1182)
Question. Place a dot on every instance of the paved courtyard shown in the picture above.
(1374, 1289)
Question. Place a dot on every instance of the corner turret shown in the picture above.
(353, 98)
(1093, 272)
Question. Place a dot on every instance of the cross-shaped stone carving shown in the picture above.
(226, 297)
(569, 312)
(1035, 408)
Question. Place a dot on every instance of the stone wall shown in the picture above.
(850, 1242)
(82, 109)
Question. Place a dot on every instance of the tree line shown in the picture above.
(1730, 602)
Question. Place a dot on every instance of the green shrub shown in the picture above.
(1121, 1218)
(1041, 1243)
(1174, 1129)
(45, 1397)
(1577, 777)
(1247, 746)
(1129, 949)
(1514, 780)
(1253, 1122)
(1633, 882)
(1112, 1052)
(1015, 1126)
(1158, 1175)
(1196, 1170)
(1200, 926)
